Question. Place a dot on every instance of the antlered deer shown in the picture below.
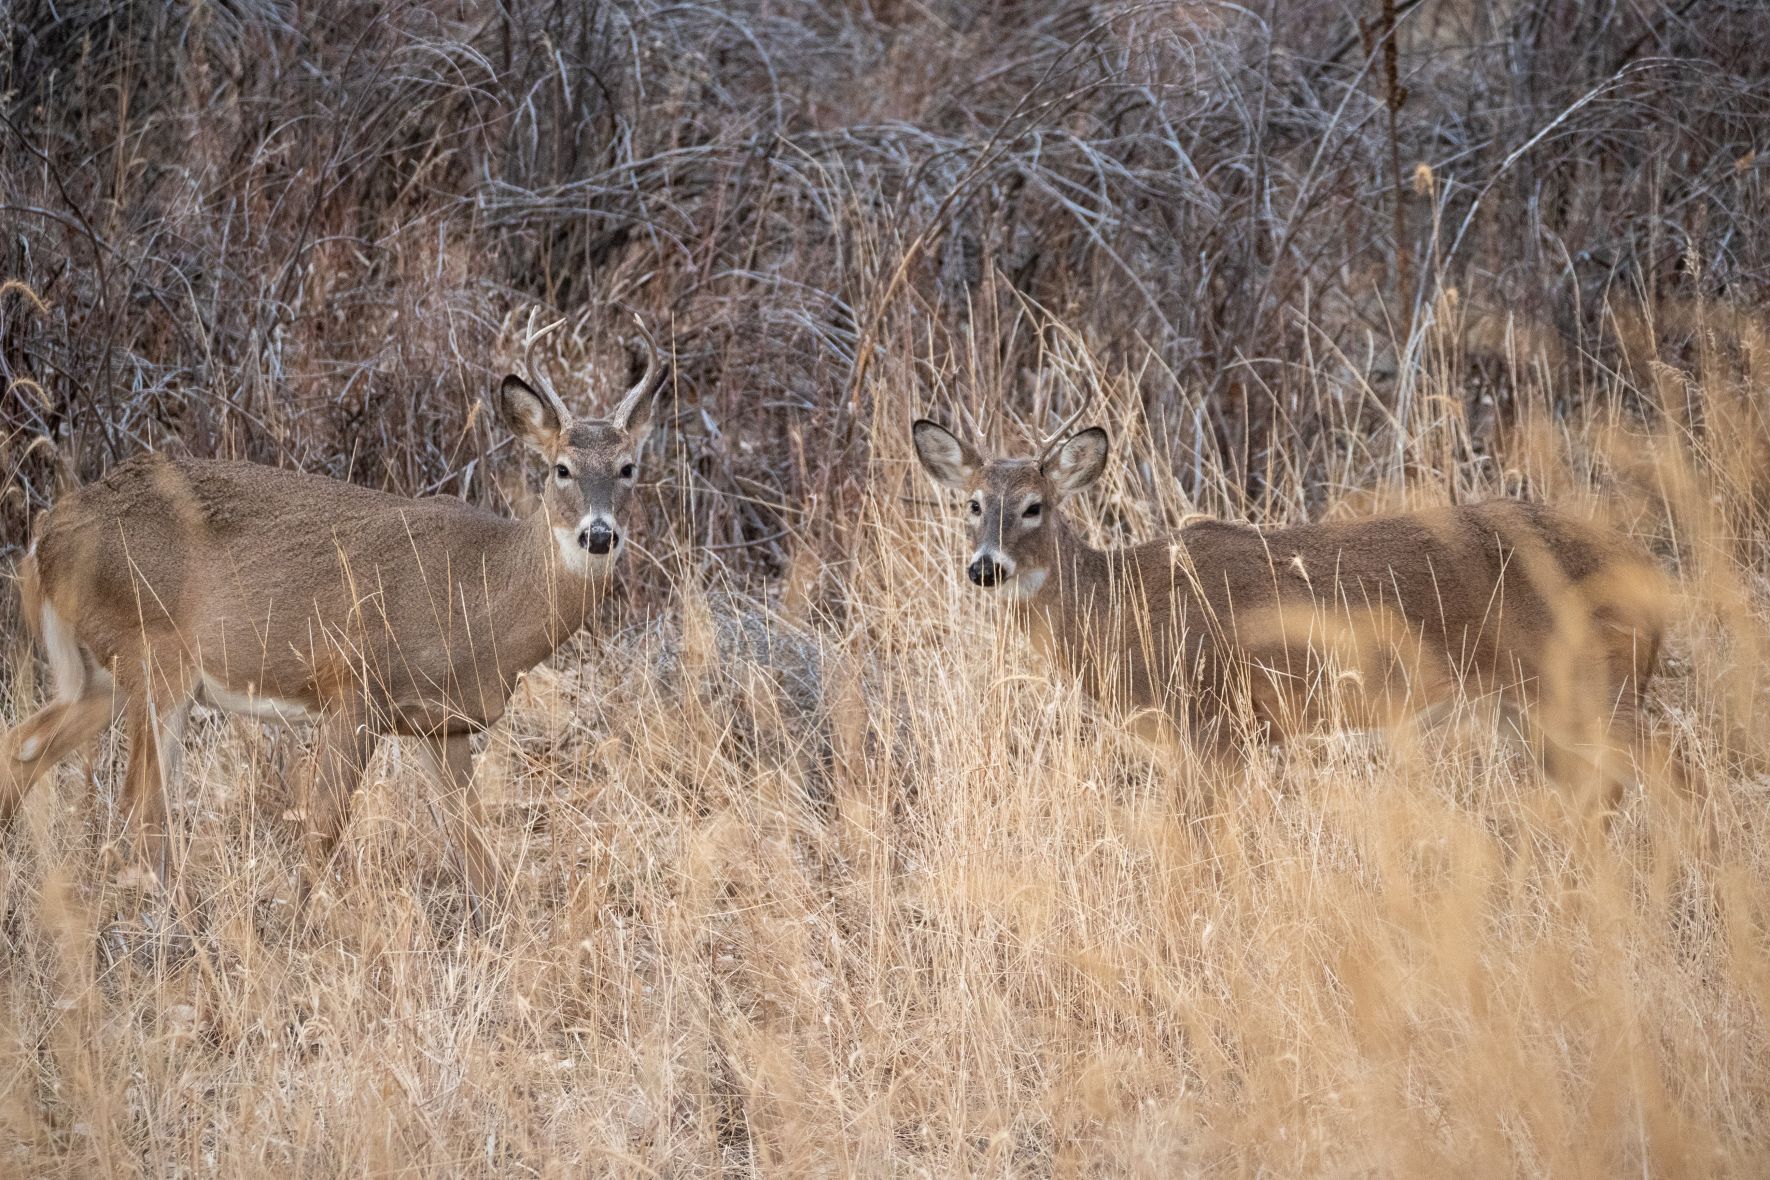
(1226, 630)
(293, 597)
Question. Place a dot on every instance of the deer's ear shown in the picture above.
(1078, 462)
(531, 416)
(950, 461)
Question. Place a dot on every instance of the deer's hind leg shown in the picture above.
(33, 747)
(1654, 761)
(1626, 752)
(1591, 738)
(157, 701)
(84, 704)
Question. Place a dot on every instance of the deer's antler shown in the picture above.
(530, 337)
(640, 388)
(1057, 437)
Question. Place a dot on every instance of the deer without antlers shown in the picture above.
(293, 597)
(1225, 630)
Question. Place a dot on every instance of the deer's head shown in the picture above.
(1011, 504)
(592, 463)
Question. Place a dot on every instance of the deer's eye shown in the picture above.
(562, 471)
(626, 471)
(977, 508)
(1032, 510)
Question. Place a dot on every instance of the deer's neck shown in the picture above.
(1067, 608)
(541, 595)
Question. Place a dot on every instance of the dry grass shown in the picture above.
(800, 893)
(817, 872)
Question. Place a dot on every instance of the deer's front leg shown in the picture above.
(343, 745)
(453, 757)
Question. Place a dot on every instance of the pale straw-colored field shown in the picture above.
(840, 882)
(818, 869)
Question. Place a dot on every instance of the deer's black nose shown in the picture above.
(599, 538)
(984, 571)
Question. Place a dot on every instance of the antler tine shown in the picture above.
(978, 437)
(1041, 408)
(652, 364)
(532, 336)
(1058, 436)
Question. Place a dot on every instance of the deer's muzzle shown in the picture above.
(986, 569)
(599, 537)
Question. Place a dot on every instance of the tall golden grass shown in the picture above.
(817, 870)
(803, 890)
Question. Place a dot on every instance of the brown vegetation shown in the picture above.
(808, 873)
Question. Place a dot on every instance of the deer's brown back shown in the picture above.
(1483, 596)
(289, 585)
(1491, 580)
